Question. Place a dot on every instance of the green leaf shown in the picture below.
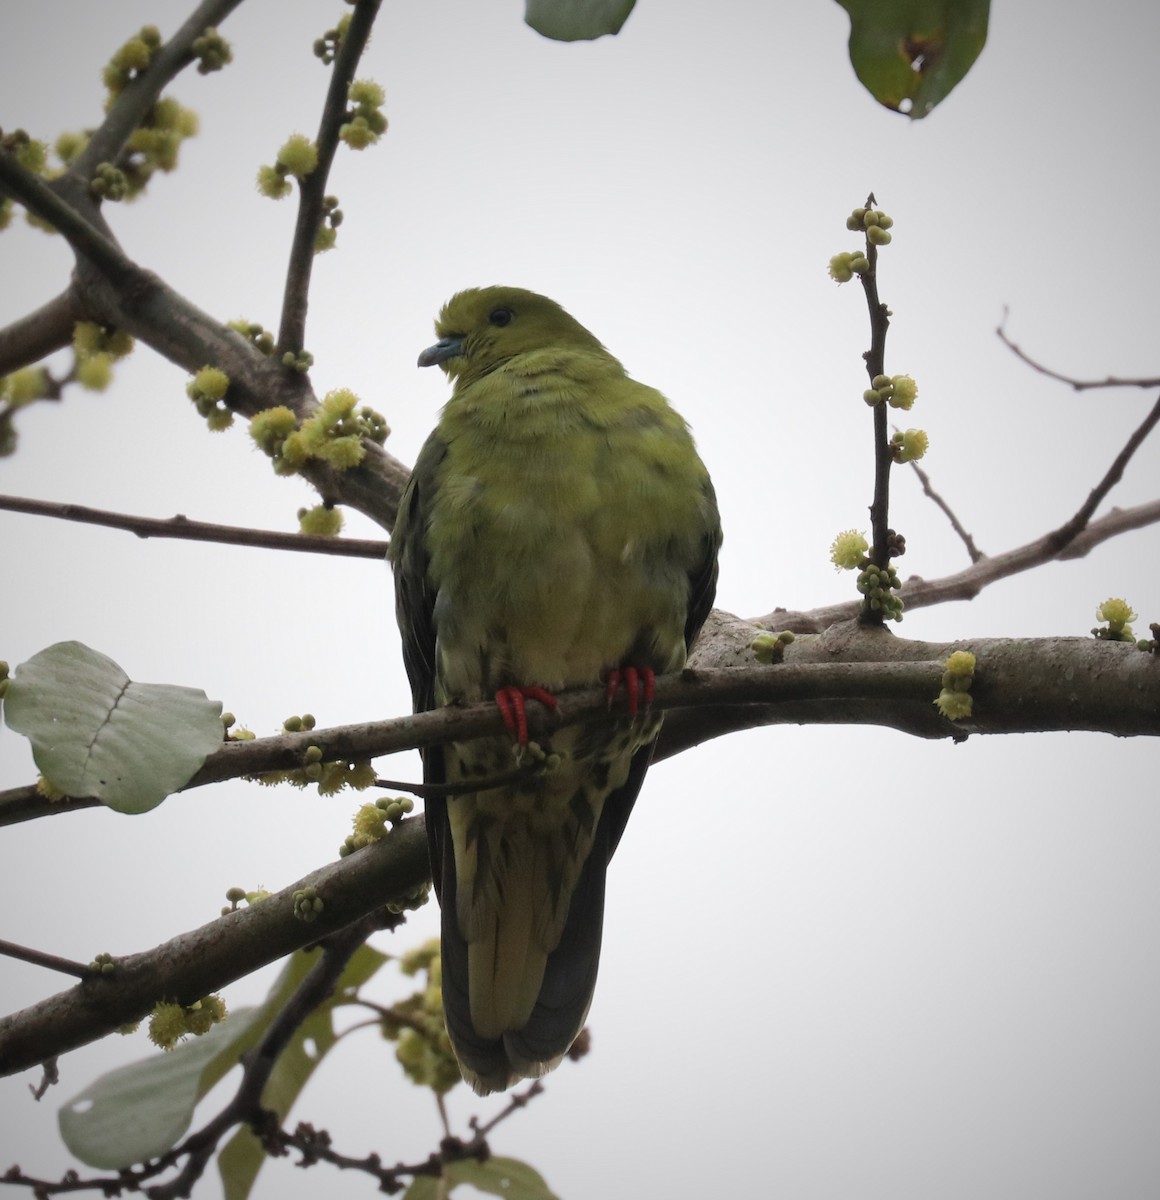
(501, 1177)
(141, 1110)
(242, 1158)
(576, 20)
(910, 54)
(423, 1187)
(96, 733)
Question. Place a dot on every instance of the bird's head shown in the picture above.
(481, 328)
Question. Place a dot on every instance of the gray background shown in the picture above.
(837, 962)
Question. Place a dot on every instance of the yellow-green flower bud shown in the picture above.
(366, 92)
(954, 705)
(1116, 612)
(848, 550)
(904, 392)
(320, 521)
(841, 268)
(272, 183)
(877, 236)
(209, 383)
(298, 156)
(95, 373)
(911, 445)
(167, 1025)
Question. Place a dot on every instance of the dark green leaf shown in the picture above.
(910, 54)
(576, 20)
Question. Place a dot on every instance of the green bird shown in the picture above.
(559, 531)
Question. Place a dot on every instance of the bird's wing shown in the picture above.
(703, 577)
(415, 606)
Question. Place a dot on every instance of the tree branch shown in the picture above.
(39, 334)
(192, 965)
(1078, 385)
(928, 490)
(132, 105)
(848, 675)
(1068, 531)
(198, 531)
(312, 190)
(245, 1107)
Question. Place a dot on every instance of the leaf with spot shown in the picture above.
(95, 732)
(496, 1177)
(910, 54)
(142, 1110)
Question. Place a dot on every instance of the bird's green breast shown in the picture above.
(566, 516)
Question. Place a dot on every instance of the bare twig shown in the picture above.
(40, 959)
(1067, 531)
(956, 524)
(1079, 385)
(198, 531)
(292, 332)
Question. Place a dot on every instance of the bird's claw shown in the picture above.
(639, 685)
(512, 707)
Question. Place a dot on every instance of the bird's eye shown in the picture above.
(500, 317)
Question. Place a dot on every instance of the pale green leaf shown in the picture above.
(141, 1110)
(94, 732)
(576, 20)
(501, 1177)
(910, 54)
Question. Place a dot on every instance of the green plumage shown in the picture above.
(558, 525)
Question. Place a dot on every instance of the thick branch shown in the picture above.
(204, 960)
(37, 335)
(849, 675)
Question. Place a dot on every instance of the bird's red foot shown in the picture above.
(510, 701)
(639, 685)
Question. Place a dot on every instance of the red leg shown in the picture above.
(639, 685)
(510, 701)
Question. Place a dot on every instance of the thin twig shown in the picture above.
(883, 459)
(1070, 529)
(41, 959)
(1078, 385)
(956, 524)
(198, 531)
(246, 1105)
(292, 331)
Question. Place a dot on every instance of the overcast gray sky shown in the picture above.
(942, 985)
